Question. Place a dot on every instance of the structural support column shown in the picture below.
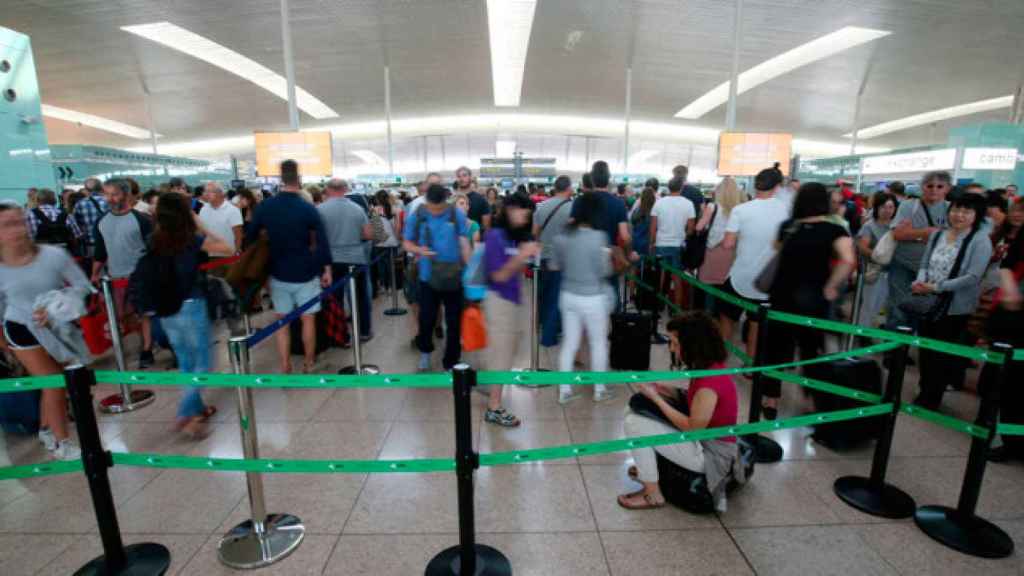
(1017, 112)
(387, 119)
(730, 111)
(289, 66)
(628, 113)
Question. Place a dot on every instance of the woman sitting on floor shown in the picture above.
(710, 402)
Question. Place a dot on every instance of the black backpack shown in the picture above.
(52, 231)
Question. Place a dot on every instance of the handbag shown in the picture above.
(697, 247)
(766, 279)
(884, 249)
(474, 330)
(931, 307)
(96, 327)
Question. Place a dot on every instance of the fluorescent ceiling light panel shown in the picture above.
(818, 49)
(934, 116)
(368, 156)
(642, 156)
(96, 122)
(207, 50)
(509, 22)
(504, 148)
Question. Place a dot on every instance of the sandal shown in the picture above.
(501, 417)
(640, 500)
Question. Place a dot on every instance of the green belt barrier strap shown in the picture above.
(283, 466)
(945, 421)
(1018, 354)
(31, 383)
(657, 294)
(41, 469)
(709, 289)
(825, 387)
(608, 446)
(436, 380)
(1011, 429)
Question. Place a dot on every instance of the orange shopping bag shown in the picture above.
(474, 331)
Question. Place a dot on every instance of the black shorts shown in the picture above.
(728, 309)
(18, 336)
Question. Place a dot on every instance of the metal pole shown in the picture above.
(387, 118)
(956, 165)
(628, 114)
(126, 399)
(145, 558)
(395, 310)
(535, 318)
(960, 528)
(858, 299)
(264, 538)
(149, 120)
(730, 111)
(872, 494)
(358, 367)
(468, 558)
(289, 66)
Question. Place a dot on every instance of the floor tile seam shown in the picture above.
(736, 544)
(593, 515)
(362, 488)
(55, 557)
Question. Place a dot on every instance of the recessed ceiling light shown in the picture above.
(818, 49)
(934, 116)
(368, 156)
(504, 148)
(207, 50)
(509, 23)
(97, 122)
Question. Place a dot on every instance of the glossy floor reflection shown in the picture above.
(550, 518)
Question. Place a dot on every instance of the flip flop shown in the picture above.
(647, 503)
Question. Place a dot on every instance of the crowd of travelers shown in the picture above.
(946, 262)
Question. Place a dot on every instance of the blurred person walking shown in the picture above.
(550, 221)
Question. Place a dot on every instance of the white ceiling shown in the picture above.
(940, 53)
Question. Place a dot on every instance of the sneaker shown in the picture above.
(603, 394)
(48, 439)
(424, 365)
(67, 450)
(365, 338)
(146, 359)
(567, 394)
(501, 417)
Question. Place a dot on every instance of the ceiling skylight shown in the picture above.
(368, 156)
(207, 50)
(642, 156)
(818, 49)
(97, 122)
(934, 116)
(504, 148)
(509, 22)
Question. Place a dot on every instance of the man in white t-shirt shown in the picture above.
(221, 218)
(672, 220)
(752, 230)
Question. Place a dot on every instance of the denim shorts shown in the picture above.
(671, 256)
(288, 296)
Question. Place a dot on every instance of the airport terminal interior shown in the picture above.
(396, 287)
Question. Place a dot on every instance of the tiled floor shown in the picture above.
(549, 518)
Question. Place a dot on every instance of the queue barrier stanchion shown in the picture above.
(535, 324)
(468, 558)
(395, 309)
(265, 538)
(136, 559)
(960, 528)
(858, 300)
(873, 495)
(766, 450)
(357, 368)
(126, 400)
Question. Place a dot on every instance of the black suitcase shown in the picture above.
(644, 299)
(862, 374)
(630, 341)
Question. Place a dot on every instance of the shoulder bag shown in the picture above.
(931, 307)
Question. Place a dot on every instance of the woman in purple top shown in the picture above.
(506, 253)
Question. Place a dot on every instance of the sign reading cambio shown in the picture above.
(746, 154)
(943, 159)
(989, 159)
(312, 150)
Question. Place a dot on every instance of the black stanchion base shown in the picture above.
(887, 502)
(144, 559)
(395, 312)
(965, 533)
(766, 450)
(489, 562)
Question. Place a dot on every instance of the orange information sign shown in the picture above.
(312, 150)
(746, 154)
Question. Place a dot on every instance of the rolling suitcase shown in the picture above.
(630, 341)
(861, 374)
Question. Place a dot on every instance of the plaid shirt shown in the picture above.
(53, 214)
(86, 216)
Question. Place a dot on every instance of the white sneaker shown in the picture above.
(67, 450)
(567, 394)
(601, 394)
(47, 438)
